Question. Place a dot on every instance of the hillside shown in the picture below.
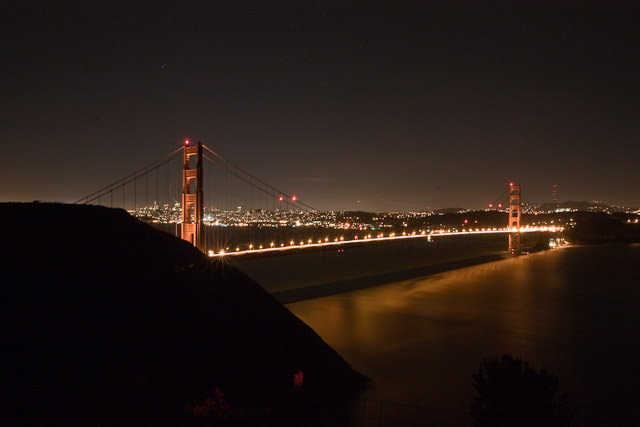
(109, 321)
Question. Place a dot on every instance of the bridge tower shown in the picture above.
(515, 212)
(192, 195)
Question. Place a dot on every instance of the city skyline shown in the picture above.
(374, 106)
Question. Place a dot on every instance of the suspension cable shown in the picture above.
(502, 198)
(310, 208)
(225, 167)
(129, 178)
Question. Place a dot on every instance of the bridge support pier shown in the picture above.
(192, 195)
(515, 212)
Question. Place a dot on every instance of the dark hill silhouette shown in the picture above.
(109, 321)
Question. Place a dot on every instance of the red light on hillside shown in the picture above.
(294, 198)
(281, 198)
(499, 205)
(298, 379)
(490, 205)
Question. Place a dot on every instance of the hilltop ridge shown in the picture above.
(113, 322)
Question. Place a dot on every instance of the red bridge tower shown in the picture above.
(192, 195)
(515, 212)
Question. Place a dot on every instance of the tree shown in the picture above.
(511, 393)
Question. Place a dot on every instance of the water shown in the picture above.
(574, 311)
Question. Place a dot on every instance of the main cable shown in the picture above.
(127, 179)
(225, 167)
(311, 208)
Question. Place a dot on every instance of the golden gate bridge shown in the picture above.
(180, 199)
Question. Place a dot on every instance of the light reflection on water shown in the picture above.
(573, 311)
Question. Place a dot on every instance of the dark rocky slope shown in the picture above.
(109, 321)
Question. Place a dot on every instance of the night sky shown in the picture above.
(381, 106)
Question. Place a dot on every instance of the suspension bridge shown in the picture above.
(241, 214)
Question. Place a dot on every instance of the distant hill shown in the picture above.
(448, 211)
(598, 227)
(109, 321)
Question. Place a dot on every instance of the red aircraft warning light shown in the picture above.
(280, 198)
(186, 142)
(294, 198)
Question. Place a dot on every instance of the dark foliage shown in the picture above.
(511, 393)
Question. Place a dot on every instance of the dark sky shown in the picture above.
(400, 105)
